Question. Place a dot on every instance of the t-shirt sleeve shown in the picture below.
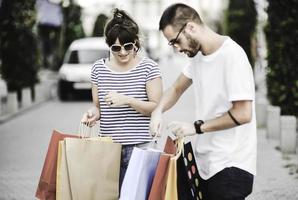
(240, 81)
(187, 70)
(94, 73)
(154, 72)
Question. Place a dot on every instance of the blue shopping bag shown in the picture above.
(139, 174)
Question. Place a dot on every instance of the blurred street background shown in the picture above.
(43, 43)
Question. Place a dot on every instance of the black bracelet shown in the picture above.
(233, 118)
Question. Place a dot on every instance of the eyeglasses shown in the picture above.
(175, 41)
(127, 46)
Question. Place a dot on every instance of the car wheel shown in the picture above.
(62, 91)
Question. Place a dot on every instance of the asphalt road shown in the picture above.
(24, 141)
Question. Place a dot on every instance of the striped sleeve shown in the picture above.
(95, 72)
(154, 72)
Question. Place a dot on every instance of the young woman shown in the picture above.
(125, 88)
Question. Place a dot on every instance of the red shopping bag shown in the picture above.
(46, 189)
(158, 187)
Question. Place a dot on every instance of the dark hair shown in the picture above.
(123, 27)
(177, 15)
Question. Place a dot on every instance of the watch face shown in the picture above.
(198, 124)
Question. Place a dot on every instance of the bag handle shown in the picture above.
(86, 131)
(179, 142)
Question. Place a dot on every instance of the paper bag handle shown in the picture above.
(86, 131)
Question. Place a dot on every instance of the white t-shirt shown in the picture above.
(220, 78)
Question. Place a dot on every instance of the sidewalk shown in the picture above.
(48, 80)
(277, 174)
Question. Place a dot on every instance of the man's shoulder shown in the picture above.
(232, 45)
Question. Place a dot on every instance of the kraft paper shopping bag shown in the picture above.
(93, 168)
(171, 192)
(63, 190)
(46, 189)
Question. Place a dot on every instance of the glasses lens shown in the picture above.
(171, 42)
(128, 46)
(116, 48)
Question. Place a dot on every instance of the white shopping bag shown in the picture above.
(139, 174)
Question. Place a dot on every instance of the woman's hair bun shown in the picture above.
(118, 16)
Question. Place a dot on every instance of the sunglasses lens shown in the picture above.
(116, 48)
(128, 47)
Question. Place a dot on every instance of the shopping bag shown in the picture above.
(158, 187)
(170, 146)
(139, 174)
(63, 191)
(188, 185)
(171, 192)
(46, 189)
(93, 167)
(171, 185)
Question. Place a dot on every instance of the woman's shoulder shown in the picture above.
(99, 62)
(149, 61)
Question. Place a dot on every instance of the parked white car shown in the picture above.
(74, 74)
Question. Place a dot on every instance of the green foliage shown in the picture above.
(241, 19)
(72, 27)
(98, 30)
(19, 52)
(282, 44)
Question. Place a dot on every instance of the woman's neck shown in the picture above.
(122, 67)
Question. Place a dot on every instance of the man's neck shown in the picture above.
(213, 42)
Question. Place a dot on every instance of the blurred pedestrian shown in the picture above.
(49, 23)
(225, 124)
(125, 88)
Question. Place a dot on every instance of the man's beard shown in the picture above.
(194, 47)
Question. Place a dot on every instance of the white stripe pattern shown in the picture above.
(124, 124)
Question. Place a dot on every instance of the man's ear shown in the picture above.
(190, 27)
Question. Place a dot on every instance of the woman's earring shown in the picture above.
(134, 53)
(109, 55)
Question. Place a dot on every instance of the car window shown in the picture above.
(85, 56)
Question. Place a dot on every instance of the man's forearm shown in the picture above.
(168, 100)
(241, 112)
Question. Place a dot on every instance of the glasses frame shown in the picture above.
(172, 42)
(122, 46)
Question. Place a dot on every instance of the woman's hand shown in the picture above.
(156, 123)
(115, 99)
(90, 117)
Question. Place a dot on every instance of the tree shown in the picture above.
(98, 30)
(72, 28)
(282, 43)
(19, 52)
(241, 19)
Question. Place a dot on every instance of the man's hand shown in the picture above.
(181, 129)
(156, 123)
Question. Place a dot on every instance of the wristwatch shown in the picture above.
(198, 125)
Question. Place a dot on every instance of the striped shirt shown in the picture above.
(124, 124)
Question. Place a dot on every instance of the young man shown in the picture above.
(225, 122)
